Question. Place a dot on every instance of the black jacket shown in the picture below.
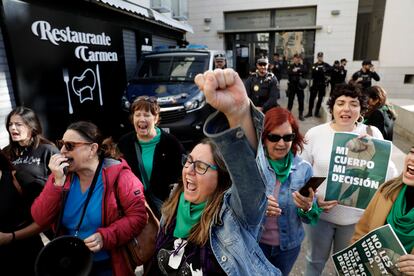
(167, 166)
(383, 120)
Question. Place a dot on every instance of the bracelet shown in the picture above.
(13, 237)
(307, 210)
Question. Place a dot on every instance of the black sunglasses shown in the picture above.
(276, 138)
(69, 145)
(262, 64)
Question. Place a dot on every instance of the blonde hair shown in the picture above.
(199, 233)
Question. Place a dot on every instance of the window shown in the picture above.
(369, 29)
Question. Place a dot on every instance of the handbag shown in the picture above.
(140, 249)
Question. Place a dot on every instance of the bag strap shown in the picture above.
(16, 183)
(141, 164)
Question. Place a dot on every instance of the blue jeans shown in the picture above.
(284, 260)
(321, 237)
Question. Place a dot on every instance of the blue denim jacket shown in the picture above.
(291, 232)
(235, 232)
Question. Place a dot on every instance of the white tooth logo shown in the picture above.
(84, 85)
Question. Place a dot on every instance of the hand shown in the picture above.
(305, 203)
(273, 209)
(406, 264)
(56, 164)
(372, 69)
(359, 80)
(94, 242)
(225, 91)
(5, 238)
(327, 205)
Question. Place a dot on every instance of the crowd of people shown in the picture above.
(230, 206)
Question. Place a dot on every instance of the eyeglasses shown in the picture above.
(262, 64)
(276, 138)
(200, 167)
(150, 99)
(69, 145)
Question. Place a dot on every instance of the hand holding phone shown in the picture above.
(313, 183)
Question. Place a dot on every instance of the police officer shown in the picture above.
(276, 66)
(365, 75)
(262, 86)
(296, 84)
(338, 73)
(320, 77)
(220, 61)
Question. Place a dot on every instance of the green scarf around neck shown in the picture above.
(188, 214)
(402, 222)
(282, 166)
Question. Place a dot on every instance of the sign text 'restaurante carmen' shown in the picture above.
(44, 31)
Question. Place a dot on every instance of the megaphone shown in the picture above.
(64, 256)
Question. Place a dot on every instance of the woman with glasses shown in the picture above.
(86, 165)
(211, 223)
(153, 154)
(336, 224)
(287, 208)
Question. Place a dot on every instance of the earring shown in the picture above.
(360, 119)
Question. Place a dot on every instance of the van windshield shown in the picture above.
(181, 67)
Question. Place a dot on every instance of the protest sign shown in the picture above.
(376, 253)
(358, 166)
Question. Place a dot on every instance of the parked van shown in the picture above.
(169, 75)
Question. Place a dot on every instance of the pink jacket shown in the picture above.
(117, 231)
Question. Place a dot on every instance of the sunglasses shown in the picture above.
(199, 167)
(262, 64)
(69, 145)
(149, 99)
(276, 138)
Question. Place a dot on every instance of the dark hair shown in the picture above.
(343, 59)
(348, 90)
(378, 93)
(277, 116)
(149, 104)
(91, 133)
(31, 120)
(199, 233)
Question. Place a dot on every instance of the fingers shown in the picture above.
(219, 74)
(406, 264)
(272, 207)
(199, 81)
(94, 242)
(211, 80)
(302, 202)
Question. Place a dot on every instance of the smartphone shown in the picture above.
(313, 183)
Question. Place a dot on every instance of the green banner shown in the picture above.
(357, 168)
(376, 253)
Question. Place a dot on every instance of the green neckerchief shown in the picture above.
(402, 222)
(147, 153)
(282, 166)
(188, 214)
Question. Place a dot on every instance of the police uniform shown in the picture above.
(338, 75)
(295, 74)
(263, 90)
(366, 78)
(320, 73)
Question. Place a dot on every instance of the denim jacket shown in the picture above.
(235, 232)
(291, 232)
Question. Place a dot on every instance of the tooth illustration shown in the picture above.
(84, 85)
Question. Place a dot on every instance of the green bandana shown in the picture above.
(188, 214)
(402, 222)
(282, 166)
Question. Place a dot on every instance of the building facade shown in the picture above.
(71, 60)
(366, 29)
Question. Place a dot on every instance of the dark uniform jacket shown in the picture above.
(338, 75)
(263, 91)
(366, 77)
(383, 120)
(320, 73)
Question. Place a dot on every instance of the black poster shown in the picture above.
(68, 67)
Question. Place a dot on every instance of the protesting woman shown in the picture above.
(393, 204)
(19, 245)
(283, 231)
(380, 112)
(336, 224)
(84, 155)
(153, 154)
(211, 223)
(28, 151)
